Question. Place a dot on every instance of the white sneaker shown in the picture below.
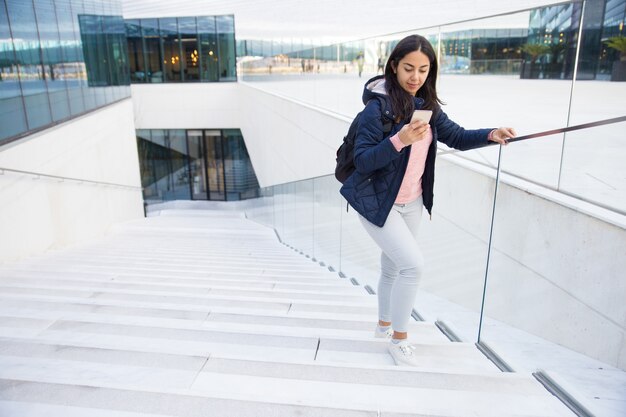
(403, 353)
(383, 334)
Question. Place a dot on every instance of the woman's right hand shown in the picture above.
(413, 132)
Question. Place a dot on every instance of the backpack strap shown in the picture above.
(386, 115)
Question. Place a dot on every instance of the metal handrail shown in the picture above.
(548, 133)
(459, 154)
(78, 180)
(570, 128)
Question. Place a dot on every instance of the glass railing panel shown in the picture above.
(598, 98)
(261, 209)
(555, 284)
(492, 76)
(360, 257)
(454, 246)
(327, 206)
(300, 230)
(535, 160)
(280, 209)
(592, 164)
(593, 167)
(290, 214)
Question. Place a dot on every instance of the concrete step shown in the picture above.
(161, 301)
(25, 409)
(123, 257)
(309, 370)
(326, 279)
(39, 307)
(210, 320)
(421, 401)
(217, 306)
(47, 399)
(359, 349)
(209, 296)
(286, 390)
(271, 290)
(182, 258)
(183, 316)
(313, 272)
(333, 285)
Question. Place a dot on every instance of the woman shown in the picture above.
(394, 177)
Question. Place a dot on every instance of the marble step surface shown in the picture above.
(208, 314)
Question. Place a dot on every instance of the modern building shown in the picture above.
(113, 111)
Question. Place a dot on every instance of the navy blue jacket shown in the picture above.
(372, 189)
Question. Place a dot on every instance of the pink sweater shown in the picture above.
(411, 187)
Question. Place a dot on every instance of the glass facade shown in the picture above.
(199, 164)
(543, 46)
(182, 49)
(59, 59)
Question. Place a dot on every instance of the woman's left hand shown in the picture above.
(501, 134)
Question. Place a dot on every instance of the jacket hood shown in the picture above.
(374, 87)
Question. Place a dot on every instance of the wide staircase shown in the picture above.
(205, 313)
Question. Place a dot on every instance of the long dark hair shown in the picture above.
(401, 102)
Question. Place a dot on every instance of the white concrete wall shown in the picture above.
(289, 141)
(39, 214)
(186, 106)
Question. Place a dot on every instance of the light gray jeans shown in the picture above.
(401, 262)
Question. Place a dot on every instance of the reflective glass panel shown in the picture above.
(12, 116)
(94, 47)
(135, 51)
(53, 61)
(72, 67)
(147, 151)
(89, 94)
(190, 49)
(593, 166)
(168, 29)
(197, 165)
(153, 51)
(178, 166)
(215, 164)
(498, 88)
(118, 54)
(601, 94)
(226, 47)
(209, 62)
(612, 28)
(240, 179)
(31, 69)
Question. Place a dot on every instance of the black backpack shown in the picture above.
(345, 152)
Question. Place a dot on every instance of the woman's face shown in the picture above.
(412, 71)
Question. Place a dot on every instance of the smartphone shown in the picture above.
(423, 115)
